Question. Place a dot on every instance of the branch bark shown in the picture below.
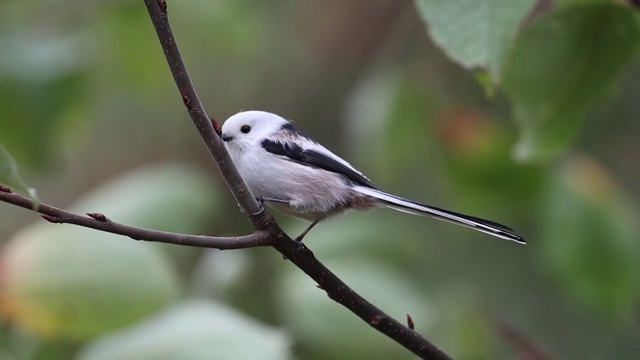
(267, 232)
(304, 259)
(100, 222)
(246, 201)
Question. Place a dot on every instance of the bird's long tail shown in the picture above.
(412, 207)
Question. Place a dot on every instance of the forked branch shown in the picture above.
(267, 232)
(303, 259)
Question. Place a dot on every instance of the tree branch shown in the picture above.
(267, 231)
(304, 259)
(100, 222)
(341, 293)
(246, 201)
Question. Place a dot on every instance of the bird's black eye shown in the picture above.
(245, 129)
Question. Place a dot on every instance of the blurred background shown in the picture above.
(541, 134)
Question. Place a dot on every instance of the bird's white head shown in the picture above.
(248, 128)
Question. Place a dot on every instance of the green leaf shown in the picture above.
(558, 69)
(587, 243)
(10, 177)
(193, 330)
(76, 283)
(473, 33)
(66, 282)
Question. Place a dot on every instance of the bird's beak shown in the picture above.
(226, 137)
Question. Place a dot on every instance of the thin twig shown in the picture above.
(267, 231)
(158, 12)
(101, 222)
(336, 289)
(341, 293)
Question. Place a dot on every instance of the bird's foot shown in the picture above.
(297, 246)
(298, 243)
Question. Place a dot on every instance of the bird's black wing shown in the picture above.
(316, 159)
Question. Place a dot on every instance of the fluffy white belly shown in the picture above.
(311, 193)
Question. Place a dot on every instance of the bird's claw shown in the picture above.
(298, 244)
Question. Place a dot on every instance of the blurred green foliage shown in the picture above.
(597, 263)
(193, 330)
(89, 112)
(583, 50)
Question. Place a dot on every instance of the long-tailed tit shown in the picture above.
(296, 175)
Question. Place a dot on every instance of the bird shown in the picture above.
(289, 171)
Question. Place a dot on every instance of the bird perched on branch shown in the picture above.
(291, 172)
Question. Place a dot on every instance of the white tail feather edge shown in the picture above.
(405, 205)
